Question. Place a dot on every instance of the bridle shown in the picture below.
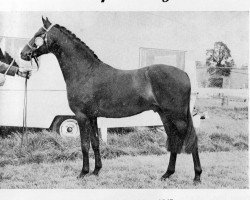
(39, 41)
(44, 40)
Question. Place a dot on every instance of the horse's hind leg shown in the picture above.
(94, 138)
(170, 131)
(171, 166)
(197, 166)
(187, 132)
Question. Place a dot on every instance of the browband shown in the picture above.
(47, 29)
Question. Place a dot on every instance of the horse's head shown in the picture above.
(40, 43)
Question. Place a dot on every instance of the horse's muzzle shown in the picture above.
(26, 56)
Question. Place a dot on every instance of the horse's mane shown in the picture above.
(75, 38)
(6, 58)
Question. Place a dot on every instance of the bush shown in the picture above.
(221, 142)
(47, 146)
(50, 147)
(110, 152)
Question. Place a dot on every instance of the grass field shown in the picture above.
(133, 172)
(136, 159)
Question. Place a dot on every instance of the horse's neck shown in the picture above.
(73, 62)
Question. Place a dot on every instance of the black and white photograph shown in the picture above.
(124, 99)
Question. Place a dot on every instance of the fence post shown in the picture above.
(224, 100)
(104, 134)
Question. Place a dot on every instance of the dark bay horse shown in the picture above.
(95, 89)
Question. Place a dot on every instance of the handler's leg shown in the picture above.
(95, 146)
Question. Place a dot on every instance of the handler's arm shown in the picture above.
(12, 71)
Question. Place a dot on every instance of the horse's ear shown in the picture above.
(43, 20)
(46, 22)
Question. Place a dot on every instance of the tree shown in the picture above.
(219, 60)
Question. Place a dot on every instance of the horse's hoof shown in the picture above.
(167, 175)
(95, 173)
(81, 175)
(197, 181)
(164, 177)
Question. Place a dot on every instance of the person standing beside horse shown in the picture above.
(11, 71)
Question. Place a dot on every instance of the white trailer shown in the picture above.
(47, 98)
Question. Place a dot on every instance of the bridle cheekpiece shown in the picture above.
(39, 41)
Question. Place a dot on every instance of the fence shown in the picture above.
(238, 78)
(226, 88)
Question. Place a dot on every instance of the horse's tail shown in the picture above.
(190, 142)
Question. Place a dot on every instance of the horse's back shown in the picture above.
(169, 74)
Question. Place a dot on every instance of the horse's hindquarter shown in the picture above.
(171, 87)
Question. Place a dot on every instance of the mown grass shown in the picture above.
(225, 132)
(220, 170)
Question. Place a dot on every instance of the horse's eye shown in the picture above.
(39, 41)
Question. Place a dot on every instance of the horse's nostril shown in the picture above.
(22, 55)
(25, 56)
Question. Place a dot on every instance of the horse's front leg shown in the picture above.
(94, 137)
(85, 129)
(197, 166)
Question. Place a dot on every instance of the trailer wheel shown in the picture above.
(66, 126)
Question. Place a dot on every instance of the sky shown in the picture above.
(193, 32)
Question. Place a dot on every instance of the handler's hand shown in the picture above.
(24, 74)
